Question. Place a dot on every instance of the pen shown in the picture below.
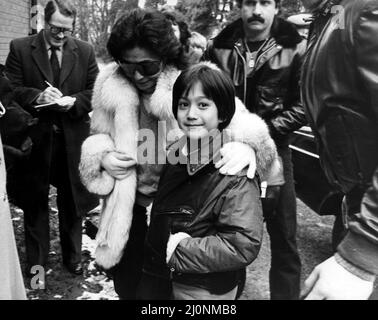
(49, 84)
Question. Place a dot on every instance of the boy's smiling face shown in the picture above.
(197, 115)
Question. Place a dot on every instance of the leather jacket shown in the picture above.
(222, 214)
(272, 89)
(340, 95)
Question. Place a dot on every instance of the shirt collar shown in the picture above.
(48, 44)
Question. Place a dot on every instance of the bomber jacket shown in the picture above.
(340, 95)
(222, 214)
(272, 89)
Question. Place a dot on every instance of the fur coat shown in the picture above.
(114, 126)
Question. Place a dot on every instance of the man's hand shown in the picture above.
(117, 164)
(235, 157)
(64, 104)
(330, 281)
(49, 95)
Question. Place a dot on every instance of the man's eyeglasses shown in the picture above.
(145, 68)
(56, 30)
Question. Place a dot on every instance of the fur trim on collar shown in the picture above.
(284, 32)
(112, 87)
(162, 96)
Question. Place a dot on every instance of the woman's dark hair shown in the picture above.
(148, 29)
(216, 85)
(65, 7)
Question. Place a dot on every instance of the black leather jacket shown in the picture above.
(340, 95)
(272, 91)
(223, 216)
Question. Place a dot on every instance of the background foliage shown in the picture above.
(96, 17)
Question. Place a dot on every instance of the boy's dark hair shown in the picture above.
(65, 7)
(239, 2)
(216, 86)
(148, 29)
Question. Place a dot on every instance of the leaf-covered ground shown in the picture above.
(314, 242)
(60, 284)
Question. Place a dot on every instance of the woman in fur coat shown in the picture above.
(132, 125)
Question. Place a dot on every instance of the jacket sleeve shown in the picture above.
(360, 246)
(293, 115)
(238, 240)
(249, 128)
(25, 96)
(83, 99)
(93, 176)
(100, 142)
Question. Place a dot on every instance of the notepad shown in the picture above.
(61, 101)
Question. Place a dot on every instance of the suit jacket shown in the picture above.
(28, 67)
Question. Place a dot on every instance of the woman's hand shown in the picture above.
(117, 164)
(235, 157)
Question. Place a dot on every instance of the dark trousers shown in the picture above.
(36, 214)
(128, 272)
(154, 288)
(284, 275)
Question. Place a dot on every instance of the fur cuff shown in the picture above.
(95, 179)
(115, 224)
(249, 128)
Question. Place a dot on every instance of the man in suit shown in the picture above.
(44, 68)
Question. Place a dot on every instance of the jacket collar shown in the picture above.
(284, 33)
(41, 58)
(325, 8)
(201, 153)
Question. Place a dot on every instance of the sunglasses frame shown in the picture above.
(139, 66)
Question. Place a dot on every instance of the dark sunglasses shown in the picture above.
(145, 68)
(56, 30)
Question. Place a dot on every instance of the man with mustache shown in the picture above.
(263, 55)
(340, 96)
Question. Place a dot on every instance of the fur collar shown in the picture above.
(113, 91)
(284, 32)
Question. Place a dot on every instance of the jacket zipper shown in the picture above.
(245, 74)
(245, 64)
(181, 210)
(265, 52)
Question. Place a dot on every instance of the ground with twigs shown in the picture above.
(314, 241)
